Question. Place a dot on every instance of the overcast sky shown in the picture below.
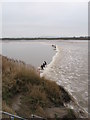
(36, 19)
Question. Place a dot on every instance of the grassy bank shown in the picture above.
(25, 93)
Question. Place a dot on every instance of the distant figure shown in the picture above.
(42, 67)
(54, 46)
(45, 63)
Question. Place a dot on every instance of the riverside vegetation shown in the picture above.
(24, 92)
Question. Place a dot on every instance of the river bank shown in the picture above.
(16, 97)
(18, 92)
(70, 54)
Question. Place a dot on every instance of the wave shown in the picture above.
(52, 69)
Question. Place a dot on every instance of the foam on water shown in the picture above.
(69, 68)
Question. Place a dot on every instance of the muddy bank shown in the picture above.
(32, 94)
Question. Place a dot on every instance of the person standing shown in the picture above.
(45, 63)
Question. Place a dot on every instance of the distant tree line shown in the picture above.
(46, 38)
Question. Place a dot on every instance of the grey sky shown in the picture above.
(36, 19)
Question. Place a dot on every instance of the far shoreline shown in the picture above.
(47, 38)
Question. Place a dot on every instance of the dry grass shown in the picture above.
(37, 93)
(7, 108)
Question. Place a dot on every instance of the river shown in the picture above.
(69, 66)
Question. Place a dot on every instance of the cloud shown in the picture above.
(44, 19)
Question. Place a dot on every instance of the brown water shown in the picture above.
(68, 68)
(31, 52)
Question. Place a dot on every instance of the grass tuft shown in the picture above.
(37, 93)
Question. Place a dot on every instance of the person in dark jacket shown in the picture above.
(42, 67)
(45, 63)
